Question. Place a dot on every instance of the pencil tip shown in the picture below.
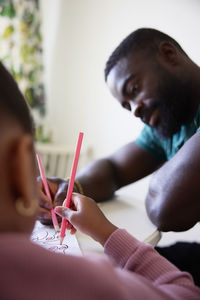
(61, 240)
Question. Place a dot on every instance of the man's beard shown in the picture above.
(176, 103)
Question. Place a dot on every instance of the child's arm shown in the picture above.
(151, 271)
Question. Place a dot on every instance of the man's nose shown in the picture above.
(137, 109)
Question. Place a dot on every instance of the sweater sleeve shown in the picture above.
(128, 253)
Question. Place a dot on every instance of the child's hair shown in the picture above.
(12, 102)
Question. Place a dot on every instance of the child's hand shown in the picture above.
(87, 217)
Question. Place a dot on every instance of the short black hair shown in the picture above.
(142, 39)
(13, 103)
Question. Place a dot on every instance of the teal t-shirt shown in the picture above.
(165, 149)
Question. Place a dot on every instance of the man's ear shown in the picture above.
(24, 170)
(168, 53)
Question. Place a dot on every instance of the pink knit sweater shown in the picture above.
(134, 271)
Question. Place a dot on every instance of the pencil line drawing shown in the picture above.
(48, 238)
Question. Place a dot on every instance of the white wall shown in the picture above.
(79, 35)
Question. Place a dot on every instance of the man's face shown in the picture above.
(153, 93)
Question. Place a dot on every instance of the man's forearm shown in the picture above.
(99, 180)
(103, 177)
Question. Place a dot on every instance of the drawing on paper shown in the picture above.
(48, 238)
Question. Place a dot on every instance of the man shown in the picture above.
(150, 75)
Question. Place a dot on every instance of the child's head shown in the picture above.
(12, 103)
(18, 198)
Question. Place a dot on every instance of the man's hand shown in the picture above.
(58, 189)
(85, 216)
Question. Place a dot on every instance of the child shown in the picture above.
(31, 272)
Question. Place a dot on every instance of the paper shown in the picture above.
(47, 237)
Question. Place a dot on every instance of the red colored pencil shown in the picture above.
(67, 201)
(47, 191)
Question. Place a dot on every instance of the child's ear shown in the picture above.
(23, 170)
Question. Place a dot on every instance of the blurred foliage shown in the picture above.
(42, 136)
(21, 50)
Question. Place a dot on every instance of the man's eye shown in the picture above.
(126, 105)
(133, 89)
